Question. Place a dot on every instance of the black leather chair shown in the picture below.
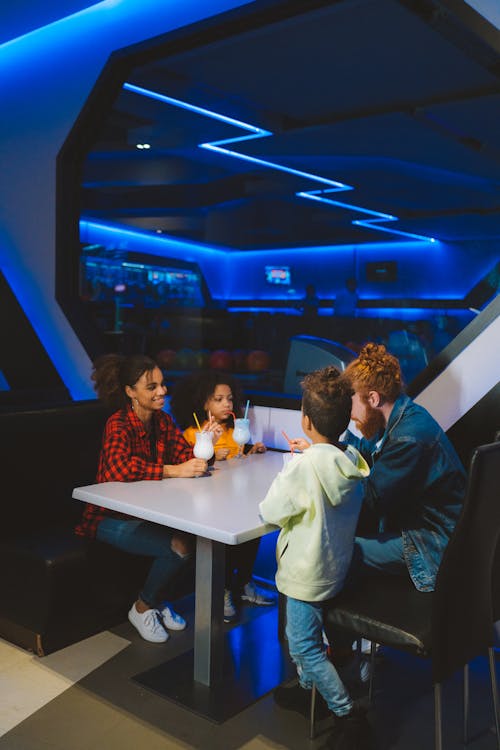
(453, 624)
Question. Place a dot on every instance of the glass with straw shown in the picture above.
(241, 431)
(203, 446)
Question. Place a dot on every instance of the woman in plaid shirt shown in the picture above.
(140, 441)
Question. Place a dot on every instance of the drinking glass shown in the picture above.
(203, 447)
(241, 434)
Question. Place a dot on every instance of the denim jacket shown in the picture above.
(416, 486)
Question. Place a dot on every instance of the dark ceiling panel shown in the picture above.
(348, 58)
(478, 120)
(402, 106)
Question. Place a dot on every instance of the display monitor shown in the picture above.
(150, 281)
(278, 275)
(382, 270)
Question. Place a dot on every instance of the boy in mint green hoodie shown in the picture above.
(316, 500)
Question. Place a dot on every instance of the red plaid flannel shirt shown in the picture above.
(126, 457)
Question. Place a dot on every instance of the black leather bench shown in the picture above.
(55, 588)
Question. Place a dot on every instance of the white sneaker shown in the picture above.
(229, 608)
(171, 619)
(256, 596)
(148, 624)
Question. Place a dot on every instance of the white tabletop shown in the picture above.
(223, 506)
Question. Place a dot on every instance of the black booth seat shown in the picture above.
(56, 587)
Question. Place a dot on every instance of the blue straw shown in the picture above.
(246, 409)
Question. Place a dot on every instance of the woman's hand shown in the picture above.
(299, 444)
(221, 454)
(195, 467)
(257, 448)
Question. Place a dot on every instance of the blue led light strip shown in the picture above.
(317, 195)
(256, 132)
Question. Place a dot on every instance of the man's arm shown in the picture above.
(395, 475)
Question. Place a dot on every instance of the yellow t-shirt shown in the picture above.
(225, 440)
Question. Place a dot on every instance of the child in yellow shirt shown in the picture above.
(216, 396)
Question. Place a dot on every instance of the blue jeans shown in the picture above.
(145, 538)
(383, 552)
(304, 630)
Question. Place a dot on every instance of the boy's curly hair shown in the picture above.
(191, 393)
(376, 370)
(327, 401)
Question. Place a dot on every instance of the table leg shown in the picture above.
(227, 671)
(209, 611)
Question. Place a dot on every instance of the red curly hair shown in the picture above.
(376, 370)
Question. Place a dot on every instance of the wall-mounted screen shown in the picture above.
(382, 270)
(278, 275)
(145, 280)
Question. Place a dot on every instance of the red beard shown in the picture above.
(372, 424)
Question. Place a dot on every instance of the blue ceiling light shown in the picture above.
(256, 132)
(318, 195)
(215, 146)
(157, 244)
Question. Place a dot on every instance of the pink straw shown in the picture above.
(288, 440)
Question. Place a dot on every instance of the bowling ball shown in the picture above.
(239, 360)
(165, 358)
(221, 359)
(201, 357)
(258, 360)
(185, 359)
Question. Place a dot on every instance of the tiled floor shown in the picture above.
(83, 698)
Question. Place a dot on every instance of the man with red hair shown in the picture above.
(416, 484)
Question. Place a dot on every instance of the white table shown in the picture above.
(219, 509)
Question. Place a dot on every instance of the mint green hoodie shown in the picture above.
(316, 500)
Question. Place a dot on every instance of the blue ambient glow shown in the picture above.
(43, 27)
(237, 275)
(97, 232)
(256, 132)
(41, 50)
(4, 385)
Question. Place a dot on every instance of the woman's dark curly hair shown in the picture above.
(191, 393)
(112, 372)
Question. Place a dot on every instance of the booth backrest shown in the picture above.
(45, 454)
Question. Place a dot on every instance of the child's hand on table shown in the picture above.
(299, 444)
(257, 448)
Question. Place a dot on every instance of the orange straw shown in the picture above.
(233, 415)
(197, 423)
(288, 440)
